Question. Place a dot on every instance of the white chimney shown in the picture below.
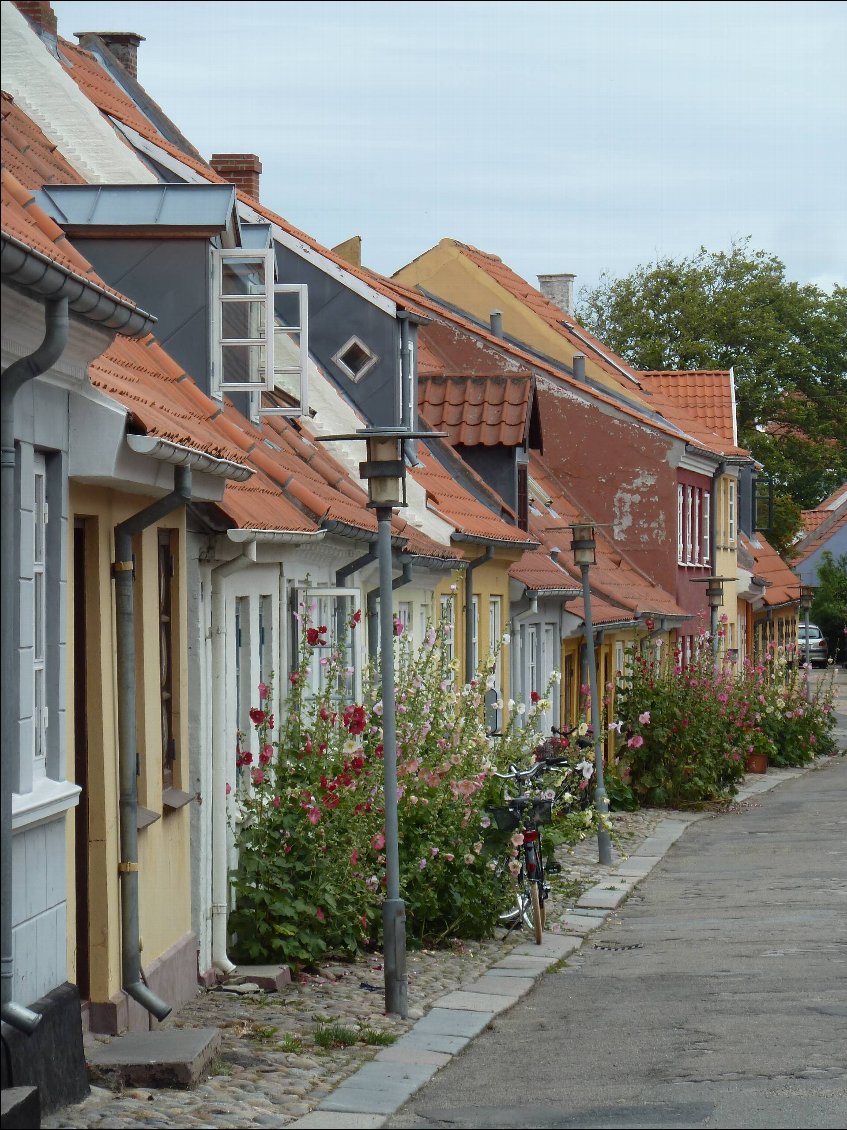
(559, 290)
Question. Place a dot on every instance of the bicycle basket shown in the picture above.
(542, 811)
(505, 818)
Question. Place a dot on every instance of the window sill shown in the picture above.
(48, 801)
(145, 817)
(175, 799)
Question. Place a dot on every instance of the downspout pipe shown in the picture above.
(220, 747)
(405, 578)
(346, 571)
(469, 572)
(14, 378)
(133, 983)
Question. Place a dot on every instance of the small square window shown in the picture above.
(355, 359)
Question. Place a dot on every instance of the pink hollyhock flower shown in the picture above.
(314, 814)
(398, 627)
(258, 776)
(319, 914)
(228, 788)
(263, 691)
(635, 742)
(293, 677)
(266, 754)
(644, 718)
(354, 857)
(277, 802)
(378, 841)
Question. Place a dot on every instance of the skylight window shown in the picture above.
(355, 359)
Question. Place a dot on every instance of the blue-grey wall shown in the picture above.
(168, 278)
(496, 465)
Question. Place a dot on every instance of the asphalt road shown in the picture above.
(715, 997)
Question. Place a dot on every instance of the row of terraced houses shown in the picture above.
(173, 354)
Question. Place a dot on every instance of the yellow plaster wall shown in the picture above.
(489, 580)
(164, 847)
(444, 271)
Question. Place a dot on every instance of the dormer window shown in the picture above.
(355, 359)
(259, 330)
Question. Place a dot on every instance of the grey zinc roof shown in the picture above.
(204, 208)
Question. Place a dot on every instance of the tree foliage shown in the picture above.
(829, 608)
(786, 342)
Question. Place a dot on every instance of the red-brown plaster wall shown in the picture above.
(690, 594)
(619, 472)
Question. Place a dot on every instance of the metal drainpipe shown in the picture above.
(220, 747)
(346, 571)
(18, 373)
(133, 984)
(469, 572)
(370, 604)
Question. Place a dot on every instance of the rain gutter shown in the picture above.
(180, 455)
(370, 605)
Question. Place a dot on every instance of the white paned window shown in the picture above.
(495, 627)
(730, 511)
(689, 526)
(619, 662)
(266, 639)
(447, 612)
(707, 530)
(260, 333)
(697, 526)
(243, 689)
(680, 524)
(474, 657)
(332, 609)
(532, 658)
(404, 615)
(39, 577)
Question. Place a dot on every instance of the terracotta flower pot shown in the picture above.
(757, 763)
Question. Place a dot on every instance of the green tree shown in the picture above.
(787, 344)
(829, 608)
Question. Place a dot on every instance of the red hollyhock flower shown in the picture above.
(355, 719)
(293, 678)
(535, 696)
(356, 618)
(257, 716)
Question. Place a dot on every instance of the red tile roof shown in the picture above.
(459, 508)
(27, 152)
(783, 587)
(477, 410)
(99, 86)
(831, 522)
(25, 221)
(539, 572)
(702, 401)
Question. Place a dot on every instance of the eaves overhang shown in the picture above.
(504, 543)
(290, 537)
(177, 453)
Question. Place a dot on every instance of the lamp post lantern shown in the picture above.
(714, 598)
(583, 546)
(385, 473)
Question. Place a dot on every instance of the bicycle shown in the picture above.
(527, 814)
(575, 776)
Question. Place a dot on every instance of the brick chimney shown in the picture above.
(558, 289)
(40, 14)
(122, 44)
(240, 169)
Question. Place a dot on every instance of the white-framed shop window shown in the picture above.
(333, 609)
(39, 600)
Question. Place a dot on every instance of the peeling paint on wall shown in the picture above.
(629, 495)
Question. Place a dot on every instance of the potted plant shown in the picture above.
(759, 749)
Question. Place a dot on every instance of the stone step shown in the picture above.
(21, 1108)
(168, 1057)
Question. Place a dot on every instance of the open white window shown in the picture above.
(39, 577)
(259, 331)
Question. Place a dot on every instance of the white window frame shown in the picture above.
(365, 369)
(495, 631)
(40, 713)
(698, 529)
(680, 524)
(314, 676)
(474, 666)
(730, 511)
(689, 525)
(219, 256)
(406, 616)
(707, 529)
(447, 615)
(301, 370)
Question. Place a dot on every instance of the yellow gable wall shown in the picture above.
(489, 580)
(164, 846)
(444, 271)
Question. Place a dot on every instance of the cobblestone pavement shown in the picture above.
(272, 1067)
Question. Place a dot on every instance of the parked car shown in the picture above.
(818, 647)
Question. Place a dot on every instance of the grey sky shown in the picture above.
(583, 137)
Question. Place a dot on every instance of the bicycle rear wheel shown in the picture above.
(537, 911)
